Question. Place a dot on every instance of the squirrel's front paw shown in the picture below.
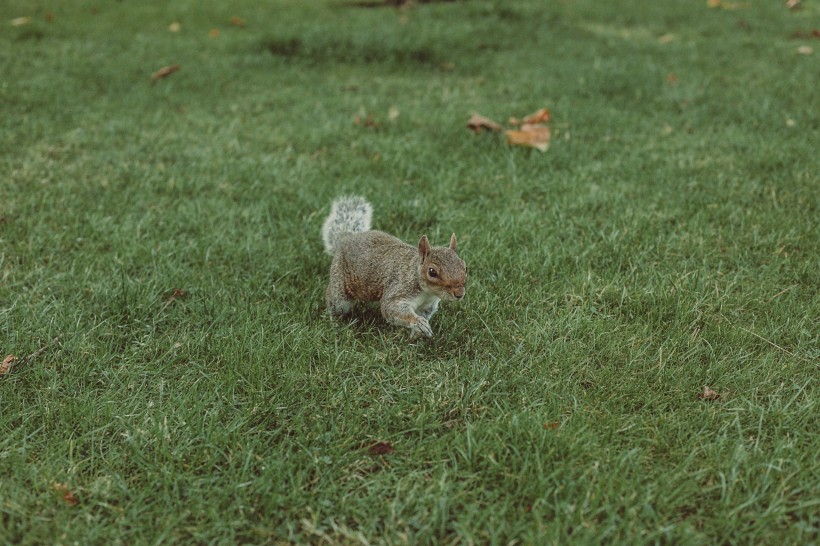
(421, 326)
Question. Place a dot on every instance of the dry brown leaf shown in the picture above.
(531, 135)
(552, 425)
(708, 394)
(541, 116)
(367, 121)
(177, 293)
(799, 34)
(7, 363)
(724, 5)
(381, 448)
(478, 122)
(49, 16)
(237, 22)
(173, 296)
(68, 497)
(213, 33)
(163, 72)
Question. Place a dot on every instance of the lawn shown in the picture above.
(162, 273)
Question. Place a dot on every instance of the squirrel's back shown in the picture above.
(351, 214)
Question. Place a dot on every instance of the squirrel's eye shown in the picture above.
(432, 272)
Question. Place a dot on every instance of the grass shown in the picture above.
(667, 240)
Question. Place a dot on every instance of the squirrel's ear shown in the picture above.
(424, 247)
(453, 242)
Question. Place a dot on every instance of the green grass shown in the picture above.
(667, 240)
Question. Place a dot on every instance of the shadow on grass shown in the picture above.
(364, 320)
(347, 52)
(366, 323)
(394, 3)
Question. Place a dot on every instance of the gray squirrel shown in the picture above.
(370, 265)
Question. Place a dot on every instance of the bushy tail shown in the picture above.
(350, 214)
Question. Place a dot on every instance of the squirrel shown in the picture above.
(370, 265)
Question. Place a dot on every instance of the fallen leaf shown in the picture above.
(49, 16)
(237, 22)
(174, 27)
(163, 72)
(367, 121)
(793, 4)
(799, 34)
(177, 293)
(531, 135)
(478, 122)
(380, 448)
(805, 50)
(213, 33)
(541, 116)
(672, 79)
(724, 5)
(552, 425)
(7, 363)
(20, 21)
(173, 296)
(708, 394)
(68, 497)
(393, 113)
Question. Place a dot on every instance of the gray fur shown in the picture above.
(349, 214)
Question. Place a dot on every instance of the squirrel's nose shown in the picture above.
(458, 293)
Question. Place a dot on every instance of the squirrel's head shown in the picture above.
(441, 271)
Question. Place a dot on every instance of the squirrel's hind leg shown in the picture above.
(338, 307)
(336, 298)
